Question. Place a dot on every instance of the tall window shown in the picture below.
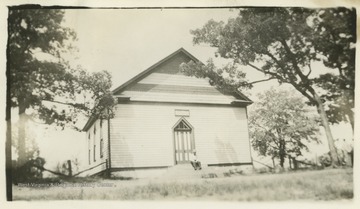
(101, 147)
(94, 154)
(101, 140)
(94, 128)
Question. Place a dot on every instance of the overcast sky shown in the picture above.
(128, 41)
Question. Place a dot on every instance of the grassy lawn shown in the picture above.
(331, 184)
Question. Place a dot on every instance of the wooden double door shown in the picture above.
(184, 142)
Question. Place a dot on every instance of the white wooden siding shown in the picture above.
(142, 134)
(99, 160)
(196, 88)
(170, 79)
(170, 97)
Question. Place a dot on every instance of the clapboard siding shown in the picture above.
(171, 66)
(139, 137)
(170, 97)
(175, 89)
(179, 80)
(96, 139)
(142, 134)
(161, 87)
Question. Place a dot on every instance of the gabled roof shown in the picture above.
(152, 68)
(239, 98)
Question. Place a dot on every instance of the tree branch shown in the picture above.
(276, 61)
(261, 80)
(270, 133)
(76, 105)
(296, 86)
(310, 70)
(269, 73)
(294, 62)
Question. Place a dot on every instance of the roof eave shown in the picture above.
(241, 103)
(244, 97)
(89, 123)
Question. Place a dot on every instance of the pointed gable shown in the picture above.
(163, 82)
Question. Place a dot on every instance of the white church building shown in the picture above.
(162, 116)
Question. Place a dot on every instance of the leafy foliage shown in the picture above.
(33, 35)
(36, 33)
(29, 171)
(32, 32)
(227, 80)
(39, 78)
(284, 43)
(337, 44)
(286, 40)
(280, 125)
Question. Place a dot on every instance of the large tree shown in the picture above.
(39, 79)
(284, 44)
(281, 125)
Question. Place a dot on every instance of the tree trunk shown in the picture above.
(295, 164)
(325, 123)
(21, 135)
(8, 167)
(350, 115)
(282, 153)
(69, 167)
(290, 162)
(8, 157)
(282, 160)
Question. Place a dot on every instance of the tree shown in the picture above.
(283, 44)
(30, 80)
(280, 125)
(39, 79)
(337, 27)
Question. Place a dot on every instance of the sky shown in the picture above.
(125, 42)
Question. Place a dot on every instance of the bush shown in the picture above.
(209, 176)
(31, 170)
(325, 160)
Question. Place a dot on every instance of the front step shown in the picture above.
(186, 171)
(182, 171)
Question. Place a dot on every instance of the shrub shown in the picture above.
(31, 170)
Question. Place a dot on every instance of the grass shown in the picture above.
(331, 184)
